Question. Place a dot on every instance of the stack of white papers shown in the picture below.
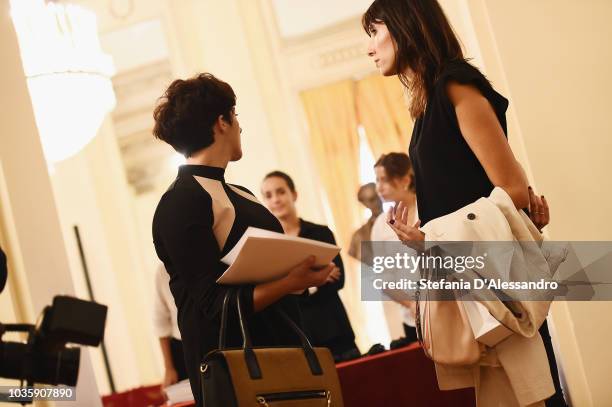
(179, 392)
(261, 255)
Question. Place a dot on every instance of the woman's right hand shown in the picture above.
(299, 278)
(305, 275)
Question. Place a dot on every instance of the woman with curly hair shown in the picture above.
(201, 217)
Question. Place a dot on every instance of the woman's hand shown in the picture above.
(333, 276)
(538, 210)
(304, 275)
(299, 278)
(397, 219)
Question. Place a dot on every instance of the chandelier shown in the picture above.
(67, 72)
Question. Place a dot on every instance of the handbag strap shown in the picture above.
(247, 345)
(311, 356)
(224, 311)
(417, 318)
(246, 336)
(422, 323)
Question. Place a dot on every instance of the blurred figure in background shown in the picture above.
(3, 270)
(395, 183)
(166, 329)
(325, 319)
(368, 197)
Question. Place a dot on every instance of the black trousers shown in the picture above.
(410, 333)
(556, 400)
(339, 346)
(178, 360)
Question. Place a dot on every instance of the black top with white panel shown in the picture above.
(197, 222)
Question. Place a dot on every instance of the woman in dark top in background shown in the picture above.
(325, 319)
(3, 270)
(201, 217)
(459, 148)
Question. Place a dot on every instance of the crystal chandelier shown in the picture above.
(67, 73)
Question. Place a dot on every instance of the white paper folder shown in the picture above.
(261, 255)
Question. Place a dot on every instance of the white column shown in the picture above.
(35, 246)
(87, 196)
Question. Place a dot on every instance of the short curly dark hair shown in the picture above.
(396, 165)
(186, 113)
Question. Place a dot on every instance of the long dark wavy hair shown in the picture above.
(425, 43)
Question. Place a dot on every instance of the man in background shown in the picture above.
(369, 198)
(166, 329)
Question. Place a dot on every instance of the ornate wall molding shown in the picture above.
(137, 91)
(327, 55)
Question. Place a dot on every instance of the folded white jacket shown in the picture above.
(519, 361)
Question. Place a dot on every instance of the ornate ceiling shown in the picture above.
(314, 41)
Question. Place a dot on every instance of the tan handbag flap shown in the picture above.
(283, 370)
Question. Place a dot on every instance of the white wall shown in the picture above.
(554, 59)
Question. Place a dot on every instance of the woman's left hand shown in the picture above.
(397, 219)
(333, 276)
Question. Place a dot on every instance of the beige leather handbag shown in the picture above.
(443, 329)
(300, 376)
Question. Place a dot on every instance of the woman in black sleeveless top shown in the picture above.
(448, 172)
(459, 147)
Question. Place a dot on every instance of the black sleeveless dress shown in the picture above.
(448, 175)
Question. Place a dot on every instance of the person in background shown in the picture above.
(395, 183)
(323, 313)
(166, 329)
(368, 197)
(3, 270)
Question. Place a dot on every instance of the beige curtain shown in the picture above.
(332, 120)
(334, 113)
(383, 112)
